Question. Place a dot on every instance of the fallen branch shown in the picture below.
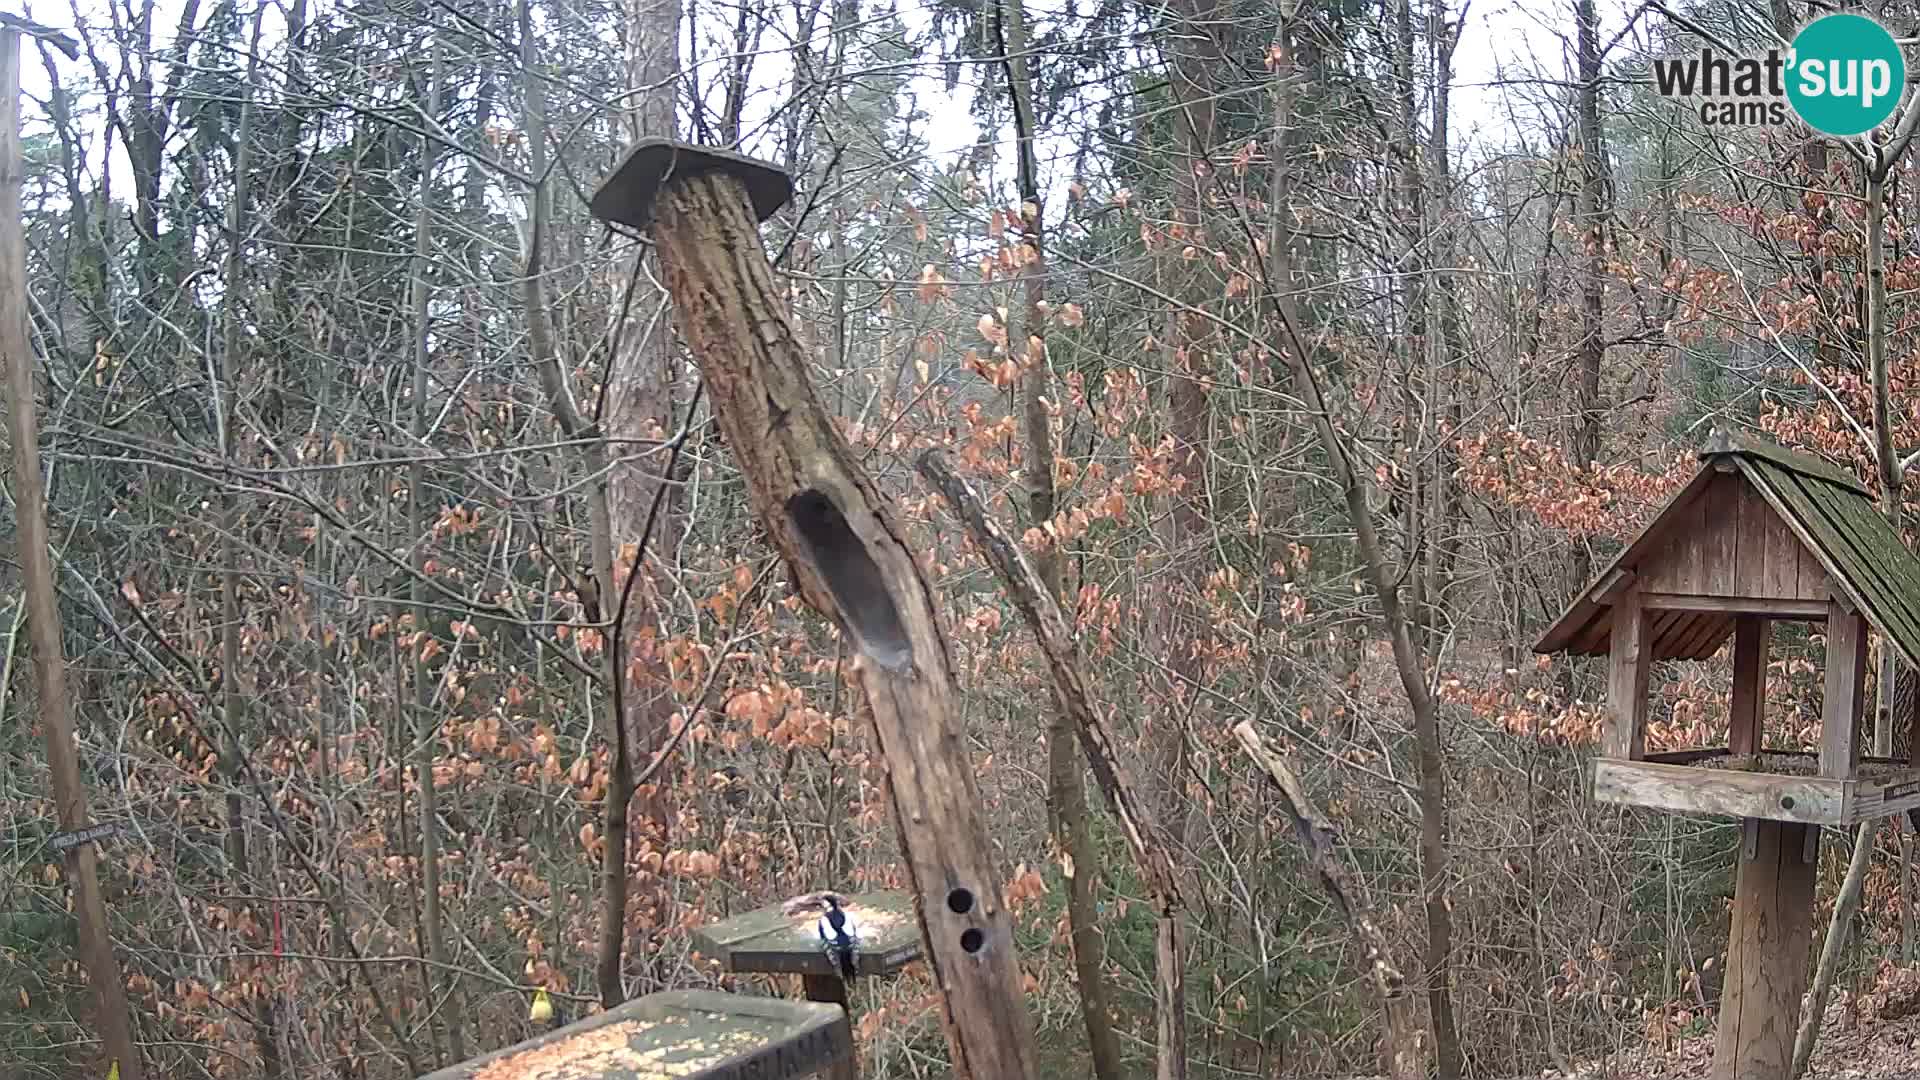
(1405, 1058)
(1042, 612)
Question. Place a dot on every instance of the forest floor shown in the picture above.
(1875, 1037)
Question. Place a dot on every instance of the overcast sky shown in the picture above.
(1504, 39)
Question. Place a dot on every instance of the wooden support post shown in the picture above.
(1628, 660)
(1767, 953)
(832, 990)
(845, 546)
(1846, 678)
(111, 1020)
(1746, 726)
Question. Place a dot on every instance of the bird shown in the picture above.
(838, 936)
(588, 590)
(541, 1012)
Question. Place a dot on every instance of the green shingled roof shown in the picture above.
(1848, 534)
(1832, 514)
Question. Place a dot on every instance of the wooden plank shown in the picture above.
(1810, 610)
(1846, 672)
(1855, 541)
(1677, 565)
(1688, 757)
(1783, 558)
(1746, 730)
(701, 1034)
(1628, 659)
(1611, 585)
(1704, 636)
(832, 990)
(1593, 637)
(1751, 516)
(1726, 442)
(1867, 559)
(1665, 634)
(1814, 580)
(1719, 541)
(1887, 796)
(1767, 951)
(1689, 789)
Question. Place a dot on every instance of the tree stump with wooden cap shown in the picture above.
(770, 941)
(687, 1034)
(848, 555)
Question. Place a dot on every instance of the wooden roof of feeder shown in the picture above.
(1758, 529)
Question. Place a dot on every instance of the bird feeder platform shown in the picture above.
(769, 941)
(683, 1034)
(1759, 535)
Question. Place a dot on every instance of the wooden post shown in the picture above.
(832, 990)
(1846, 676)
(1628, 660)
(36, 570)
(1767, 953)
(846, 548)
(1746, 728)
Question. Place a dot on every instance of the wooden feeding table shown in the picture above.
(682, 1034)
(768, 941)
(1759, 535)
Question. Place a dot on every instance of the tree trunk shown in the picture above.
(426, 727)
(1847, 904)
(1066, 789)
(640, 406)
(1586, 431)
(1196, 56)
(1071, 698)
(611, 950)
(1400, 1020)
(842, 540)
(1383, 580)
(112, 1018)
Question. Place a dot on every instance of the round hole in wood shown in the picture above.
(972, 940)
(960, 901)
(1786, 802)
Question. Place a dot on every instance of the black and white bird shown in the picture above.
(838, 936)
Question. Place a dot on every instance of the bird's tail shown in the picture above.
(846, 963)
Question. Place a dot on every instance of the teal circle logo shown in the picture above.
(1847, 74)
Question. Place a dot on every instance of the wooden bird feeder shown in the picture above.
(689, 1034)
(1759, 535)
(845, 546)
(768, 941)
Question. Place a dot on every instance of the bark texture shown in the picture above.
(838, 535)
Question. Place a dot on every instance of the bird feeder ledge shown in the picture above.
(692, 1034)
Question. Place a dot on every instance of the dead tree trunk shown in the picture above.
(847, 551)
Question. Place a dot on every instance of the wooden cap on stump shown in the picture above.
(628, 194)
